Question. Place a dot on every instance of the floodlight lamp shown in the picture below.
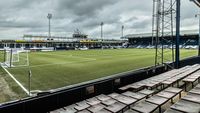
(102, 23)
(49, 16)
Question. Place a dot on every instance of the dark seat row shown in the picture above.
(142, 100)
(112, 103)
(189, 103)
(168, 78)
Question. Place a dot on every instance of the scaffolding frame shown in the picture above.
(162, 31)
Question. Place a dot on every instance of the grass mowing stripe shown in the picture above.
(54, 64)
(62, 68)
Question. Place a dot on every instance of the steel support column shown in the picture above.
(177, 54)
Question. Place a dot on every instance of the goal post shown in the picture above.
(16, 58)
(2, 55)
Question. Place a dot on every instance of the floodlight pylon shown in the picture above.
(162, 31)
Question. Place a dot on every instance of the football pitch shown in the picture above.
(56, 69)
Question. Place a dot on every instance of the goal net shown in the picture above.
(2, 52)
(16, 57)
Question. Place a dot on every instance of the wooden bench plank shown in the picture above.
(195, 91)
(174, 90)
(146, 92)
(137, 96)
(116, 107)
(157, 100)
(96, 108)
(125, 100)
(145, 107)
(81, 105)
(172, 111)
(103, 97)
(186, 106)
(192, 97)
(84, 111)
(70, 109)
(103, 111)
(109, 101)
(112, 95)
(131, 111)
(93, 101)
(165, 94)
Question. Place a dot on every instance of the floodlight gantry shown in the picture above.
(162, 31)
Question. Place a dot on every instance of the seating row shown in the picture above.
(112, 103)
(167, 78)
(142, 99)
(189, 103)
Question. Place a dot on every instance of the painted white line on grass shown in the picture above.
(83, 57)
(69, 56)
(54, 64)
(105, 56)
(25, 90)
(62, 63)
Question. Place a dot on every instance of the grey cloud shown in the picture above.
(84, 7)
(23, 16)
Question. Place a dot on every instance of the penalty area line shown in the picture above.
(24, 89)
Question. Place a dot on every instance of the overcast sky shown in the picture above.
(18, 17)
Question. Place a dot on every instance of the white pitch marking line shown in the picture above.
(69, 56)
(54, 64)
(83, 57)
(27, 92)
(62, 63)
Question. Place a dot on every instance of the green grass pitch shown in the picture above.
(61, 68)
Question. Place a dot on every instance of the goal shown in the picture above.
(16, 57)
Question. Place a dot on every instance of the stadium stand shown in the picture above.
(148, 99)
(189, 103)
(188, 40)
(191, 79)
(168, 78)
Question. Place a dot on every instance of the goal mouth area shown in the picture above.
(16, 58)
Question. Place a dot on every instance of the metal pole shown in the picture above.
(163, 28)
(4, 55)
(49, 16)
(172, 35)
(29, 82)
(49, 28)
(177, 32)
(158, 4)
(153, 19)
(11, 58)
(122, 31)
(102, 34)
(102, 31)
(199, 37)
